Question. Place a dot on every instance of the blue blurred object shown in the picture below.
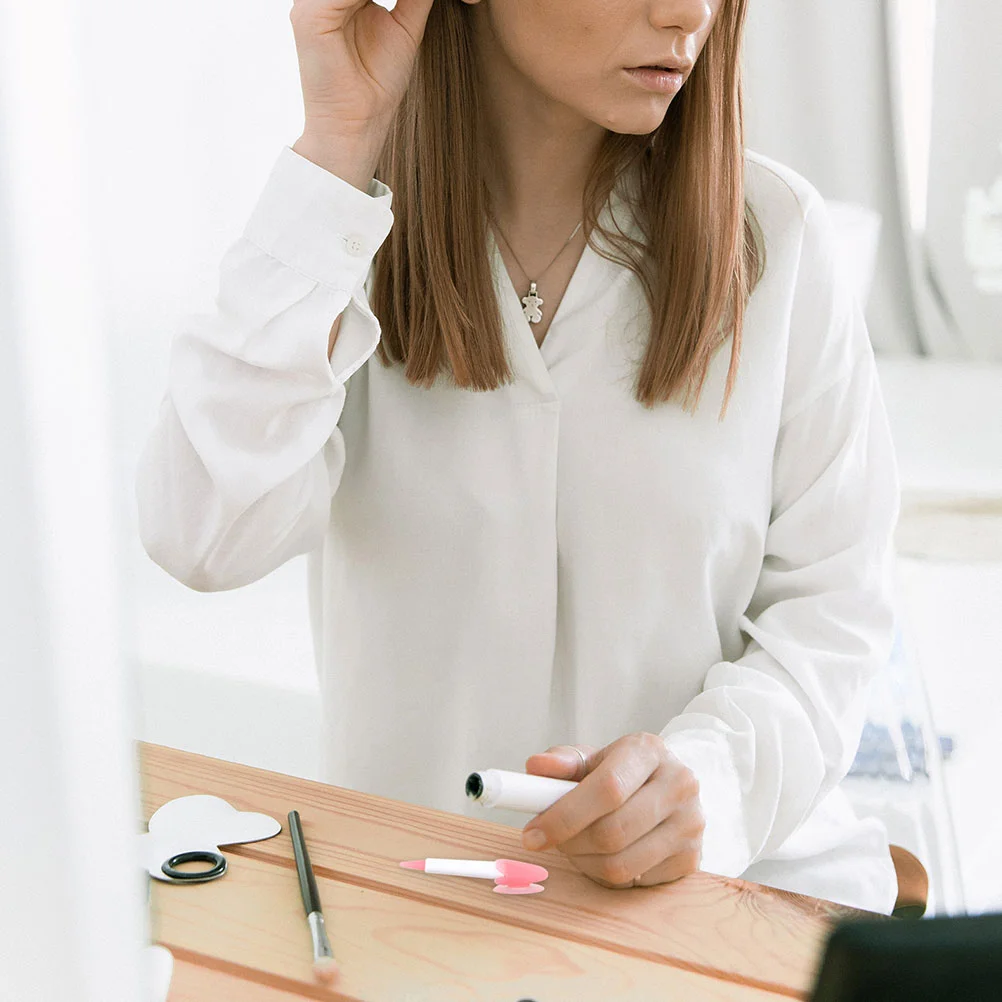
(877, 755)
(894, 744)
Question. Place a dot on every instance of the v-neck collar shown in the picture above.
(524, 355)
(532, 360)
(568, 303)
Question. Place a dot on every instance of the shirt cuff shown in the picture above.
(707, 755)
(318, 223)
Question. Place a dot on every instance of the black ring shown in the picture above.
(198, 855)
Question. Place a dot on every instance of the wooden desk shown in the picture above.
(405, 936)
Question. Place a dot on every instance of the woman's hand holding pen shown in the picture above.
(635, 817)
(355, 62)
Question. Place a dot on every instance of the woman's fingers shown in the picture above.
(412, 15)
(634, 819)
(355, 61)
(615, 774)
(561, 762)
(615, 832)
(669, 851)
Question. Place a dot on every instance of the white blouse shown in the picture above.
(494, 573)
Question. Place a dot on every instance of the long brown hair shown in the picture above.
(701, 256)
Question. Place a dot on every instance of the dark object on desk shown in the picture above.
(217, 860)
(324, 965)
(935, 960)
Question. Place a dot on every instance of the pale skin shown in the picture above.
(555, 76)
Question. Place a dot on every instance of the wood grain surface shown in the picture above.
(404, 936)
(395, 948)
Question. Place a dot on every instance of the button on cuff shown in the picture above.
(355, 245)
(317, 223)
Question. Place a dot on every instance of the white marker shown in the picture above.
(516, 791)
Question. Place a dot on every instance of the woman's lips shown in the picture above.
(664, 81)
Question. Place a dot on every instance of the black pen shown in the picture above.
(324, 964)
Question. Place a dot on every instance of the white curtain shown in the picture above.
(73, 911)
(894, 106)
(963, 237)
(818, 98)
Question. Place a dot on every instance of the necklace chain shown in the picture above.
(532, 301)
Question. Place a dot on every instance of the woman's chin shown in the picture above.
(637, 122)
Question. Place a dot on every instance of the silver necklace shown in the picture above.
(532, 301)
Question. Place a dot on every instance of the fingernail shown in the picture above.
(533, 839)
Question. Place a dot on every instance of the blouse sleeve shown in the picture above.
(773, 732)
(237, 476)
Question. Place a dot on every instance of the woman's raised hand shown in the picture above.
(355, 61)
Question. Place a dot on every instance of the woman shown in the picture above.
(620, 502)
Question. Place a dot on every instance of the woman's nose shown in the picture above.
(690, 16)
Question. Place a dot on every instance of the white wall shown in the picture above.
(187, 105)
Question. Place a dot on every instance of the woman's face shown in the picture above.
(577, 53)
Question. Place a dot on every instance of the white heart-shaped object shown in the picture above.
(199, 822)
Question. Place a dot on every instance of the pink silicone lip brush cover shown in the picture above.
(518, 878)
